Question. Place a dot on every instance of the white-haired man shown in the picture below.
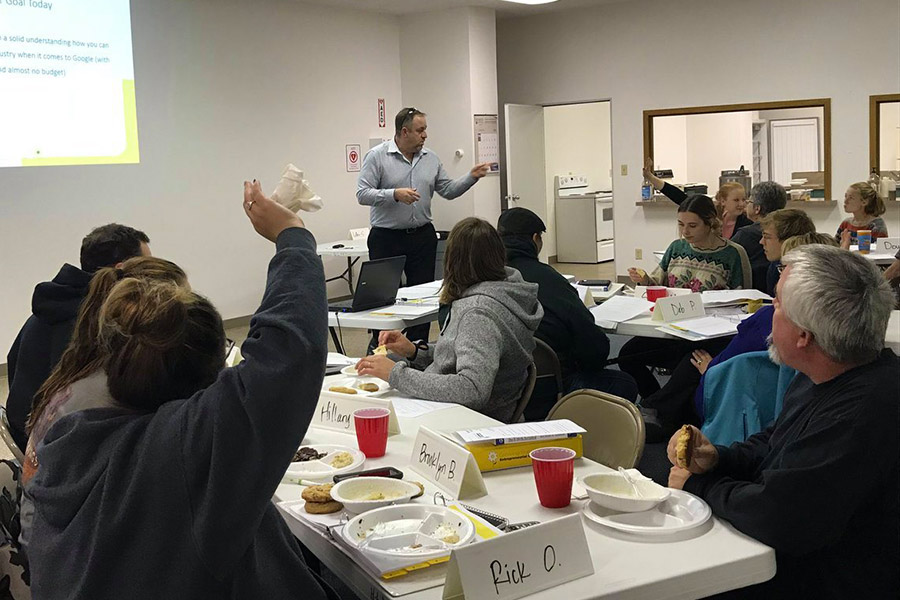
(822, 485)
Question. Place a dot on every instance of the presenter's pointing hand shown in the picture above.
(480, 170)
(406, 195)
(267, 216)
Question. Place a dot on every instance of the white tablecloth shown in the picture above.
(711, 559)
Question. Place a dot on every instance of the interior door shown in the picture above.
(795, 147)
(525, 177)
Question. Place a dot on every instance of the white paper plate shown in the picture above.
(321, 469)
(350, 370)
(354, 382)
(392, 530)
(351, 493)
(680, 512)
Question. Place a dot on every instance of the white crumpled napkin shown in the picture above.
(293, 191)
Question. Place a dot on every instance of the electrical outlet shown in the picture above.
(624, 170)
(638, 253)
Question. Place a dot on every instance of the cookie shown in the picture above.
(368, 387)
(420, 486)
(318, 493)
(341, 389)
(380, 351)
(322, 508)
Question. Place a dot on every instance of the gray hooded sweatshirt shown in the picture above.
(482, 356)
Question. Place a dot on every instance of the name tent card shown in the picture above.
(679, 308)
(446, 464)
(888, 245)
(520, 563)
(584, 293)
(335, 411)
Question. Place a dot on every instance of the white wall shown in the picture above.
(670, 146)
(716, 143)
(636, 54)
(450, 74)
(483, 77)
(889, 138)
(227, 90)
(576, 142)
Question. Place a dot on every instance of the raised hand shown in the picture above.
(267, 216)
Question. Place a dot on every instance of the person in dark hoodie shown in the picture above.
(78, 381)
(568, 326)
(487, 339)
(166, 492)
(54, 305)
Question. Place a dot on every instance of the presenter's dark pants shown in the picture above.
(419, 246)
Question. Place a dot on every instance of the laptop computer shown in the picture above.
(377, 285)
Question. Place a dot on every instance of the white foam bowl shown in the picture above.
(350, 492)
(613, 491)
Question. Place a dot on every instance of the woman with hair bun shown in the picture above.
(78, 381)
(701, 259)
(164, 489)
(862, 201)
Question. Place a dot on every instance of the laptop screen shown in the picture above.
(378, 283)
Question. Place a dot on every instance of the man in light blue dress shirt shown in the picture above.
(397, 180)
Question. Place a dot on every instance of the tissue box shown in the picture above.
(507, 456)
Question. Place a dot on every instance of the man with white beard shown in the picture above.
(821, 485)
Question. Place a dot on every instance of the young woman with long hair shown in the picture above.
(486, 342)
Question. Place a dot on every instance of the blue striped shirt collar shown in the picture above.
(393, 149)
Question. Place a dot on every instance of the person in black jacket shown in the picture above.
(54, 306)
(568, 326)
(822, 485)
(765, 197)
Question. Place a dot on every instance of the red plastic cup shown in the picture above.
(553, 471)
(371, 430)
(656, 292)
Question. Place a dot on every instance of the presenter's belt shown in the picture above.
(410, 230)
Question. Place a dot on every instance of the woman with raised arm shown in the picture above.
(166, 492)
(730, 200)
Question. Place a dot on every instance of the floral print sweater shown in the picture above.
(684, 266)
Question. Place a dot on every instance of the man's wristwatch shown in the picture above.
(420, 345)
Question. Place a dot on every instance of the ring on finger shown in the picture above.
(250, 204)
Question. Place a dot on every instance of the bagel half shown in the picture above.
(684, 447)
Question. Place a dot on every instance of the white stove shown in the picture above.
(584, 221)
